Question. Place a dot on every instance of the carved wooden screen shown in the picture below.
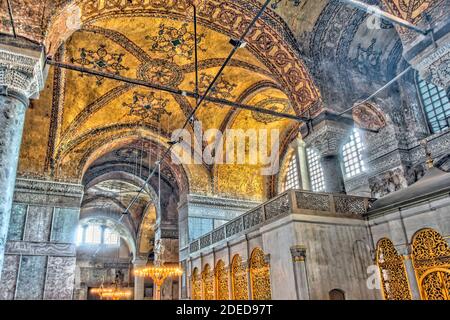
(260, 276)
(431, 259)
(221, 281)
(208, 283)
(239, 279)
(196, 285)
(394, 281)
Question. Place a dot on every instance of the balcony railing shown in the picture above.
(289, 202)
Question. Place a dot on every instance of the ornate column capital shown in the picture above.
(298, 253)
(21, 70)
(328, 136)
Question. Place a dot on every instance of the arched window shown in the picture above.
(337, 294)
(315, 170)
(111, 237)
(435, 104)
(93, 234)
(292, 177)
(352, 155)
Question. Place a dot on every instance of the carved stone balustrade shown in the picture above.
(289, 202)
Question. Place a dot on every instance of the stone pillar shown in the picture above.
(139, 281)
(300, 273)
(327, 137)
(413, 286)
(21, 78)
(303, 165)
(167, 233)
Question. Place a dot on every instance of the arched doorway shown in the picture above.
(431, 259)
(239, 279)
(221, 281)
(394, 281)
(260, 276)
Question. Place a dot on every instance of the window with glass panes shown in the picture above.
(111, 237)
(352, 153)
(436, 105)
(315, 170)
(292, 178)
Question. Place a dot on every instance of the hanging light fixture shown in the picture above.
(115, 292)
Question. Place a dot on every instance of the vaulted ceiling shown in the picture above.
(299, 53)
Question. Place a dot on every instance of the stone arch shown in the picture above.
(239, 280)
(260, 276)
(208, 283)
(394, 280)
(221, 275)
(431, 260)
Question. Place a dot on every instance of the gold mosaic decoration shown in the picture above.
(176, 41)
(431, 259)
(196, 285)
(208, 283)
(100, 59)
(221, 281)
(260, 276)
(393, 273)
(239, 279)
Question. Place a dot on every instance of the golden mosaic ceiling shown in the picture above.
(155, 43)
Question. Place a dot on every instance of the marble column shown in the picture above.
(327, 137)
(139, 281)
(21, 78)
(298, 254)
(303, 165)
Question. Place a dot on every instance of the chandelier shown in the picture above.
(113, 293)
(159, 273)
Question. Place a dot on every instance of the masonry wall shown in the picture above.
(40, 255)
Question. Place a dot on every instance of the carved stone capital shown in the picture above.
(21, 71)
(328, 137)
(298, 253)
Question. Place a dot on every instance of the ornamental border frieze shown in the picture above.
(40, 248)
(199, 200)
(388, 161)
(49, 187)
